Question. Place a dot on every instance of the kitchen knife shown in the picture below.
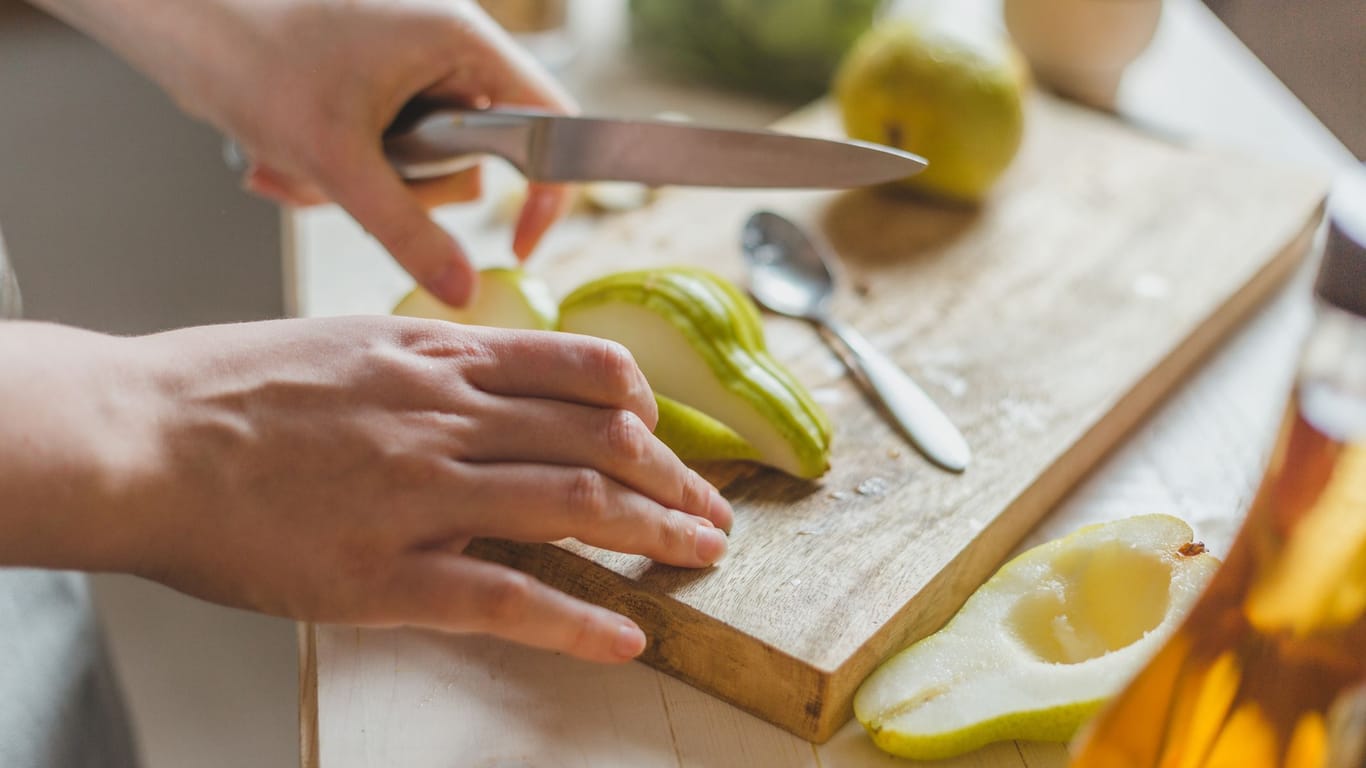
(557, 148)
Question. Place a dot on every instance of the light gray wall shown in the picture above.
(119, 215)
(118, 211)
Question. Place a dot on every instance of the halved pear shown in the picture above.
(507, 298)
(1039, 647)
(694, 436)
(699, 342)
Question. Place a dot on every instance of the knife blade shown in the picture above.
(559, 148)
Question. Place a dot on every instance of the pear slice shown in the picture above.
(699, 342)
(507, 298)
(1039, 647)
(694, 436)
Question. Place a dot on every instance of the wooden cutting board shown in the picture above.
(1047, 323)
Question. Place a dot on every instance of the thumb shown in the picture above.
(374, 195)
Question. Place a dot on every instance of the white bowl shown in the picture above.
(1080, 48)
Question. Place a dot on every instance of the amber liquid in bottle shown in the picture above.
(1268, 668)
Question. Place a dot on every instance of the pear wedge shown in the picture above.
(694, 436)
(1039, 647)
(507, 298)
(699, 342)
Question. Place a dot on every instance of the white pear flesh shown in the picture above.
(1041, 645)
(675, 371)
(506, 298)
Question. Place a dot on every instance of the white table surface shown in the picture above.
(416, 699)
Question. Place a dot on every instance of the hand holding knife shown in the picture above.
(557, 148)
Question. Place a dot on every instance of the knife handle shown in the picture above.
(915, 413)
(446, 141)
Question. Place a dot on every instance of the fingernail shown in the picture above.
(711, 544)
(630, 641)
(449, 285)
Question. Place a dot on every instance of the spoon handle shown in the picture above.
(928, 428)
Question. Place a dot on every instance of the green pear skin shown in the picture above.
(700, 342)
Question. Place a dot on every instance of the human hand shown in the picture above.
(333, 470)
(307, 88)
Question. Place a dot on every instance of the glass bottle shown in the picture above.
(1269, 668)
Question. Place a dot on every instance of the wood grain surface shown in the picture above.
(1047, 322)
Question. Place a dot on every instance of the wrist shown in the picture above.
(72, 453)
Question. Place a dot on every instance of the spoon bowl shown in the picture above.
(789, 275)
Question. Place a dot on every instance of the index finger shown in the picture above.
(364, 184)
(562, 366)
(501, 72)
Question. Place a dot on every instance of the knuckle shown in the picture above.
(694, 494)
(507, 601)
(626, 437)
(444, 339)
(587, 497)
(620, 374)
(581, 637)
(419, 334)
(410, 468)
(400, 372)
(393, 369)
(673, 534)
(426, 363)
(322, 148)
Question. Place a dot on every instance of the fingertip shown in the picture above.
(455, 283)
(629, 642)
(649, 411)
(545, 204)
(711, 544)
(720, 513)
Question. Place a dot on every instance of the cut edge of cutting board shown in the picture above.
(668, 623)
(823, 697)
(307, 633)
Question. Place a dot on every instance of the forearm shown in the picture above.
(67, 437)
(167, 40)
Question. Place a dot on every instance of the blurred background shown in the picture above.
(70, 104)
(120, 215)
(1318, 49)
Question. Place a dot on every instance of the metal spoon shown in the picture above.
(788, 275)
